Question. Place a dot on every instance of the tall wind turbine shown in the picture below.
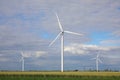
(97, 61)
(61, 34)
(23, 62)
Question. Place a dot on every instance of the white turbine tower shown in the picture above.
(97, 62)
(61, 34)
(22, 60)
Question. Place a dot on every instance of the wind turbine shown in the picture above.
(23, 62)
(61, 34)
(97, 61)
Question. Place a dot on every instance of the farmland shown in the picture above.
(59, 75)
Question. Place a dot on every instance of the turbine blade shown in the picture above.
(99, 60)
(60, 26)
(73, 33)
(55, 39)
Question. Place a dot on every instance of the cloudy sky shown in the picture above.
(30, 26)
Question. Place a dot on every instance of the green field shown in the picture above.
(59, 75)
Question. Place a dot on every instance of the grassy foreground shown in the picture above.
(59, 75)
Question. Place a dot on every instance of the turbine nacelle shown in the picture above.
(62, 34)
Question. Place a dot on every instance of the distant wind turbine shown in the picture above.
(23, 62)
(61, 34)
(97, 62)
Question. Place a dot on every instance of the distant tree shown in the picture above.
(76, 70)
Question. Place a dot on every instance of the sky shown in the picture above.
(29, 26)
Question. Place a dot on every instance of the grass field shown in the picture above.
(59, 75)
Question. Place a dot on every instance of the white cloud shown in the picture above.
(33, 54)
(23, 6)
(39, 53)
(75, 50)
(84, 49)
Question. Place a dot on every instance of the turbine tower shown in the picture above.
(97, 62)
(23, 62)
(61, 34)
